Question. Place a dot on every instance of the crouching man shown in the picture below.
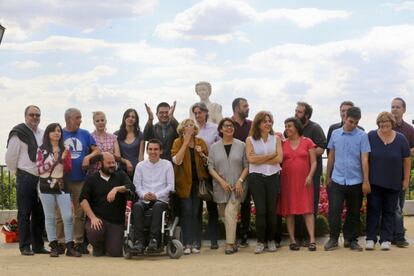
(153, 180)
(103, 200)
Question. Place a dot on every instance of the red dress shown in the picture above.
(295, 197)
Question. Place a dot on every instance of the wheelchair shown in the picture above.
(169, 236)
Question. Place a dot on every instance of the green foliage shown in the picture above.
(7, 191)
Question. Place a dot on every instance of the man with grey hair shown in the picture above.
(83, 148)
(22, 145)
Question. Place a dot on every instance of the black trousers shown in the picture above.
(138, 211)
(352, 196)
(30, 216)
(109, 238)
(265, 191)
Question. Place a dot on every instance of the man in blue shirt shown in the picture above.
(82, 147)
(347, 178)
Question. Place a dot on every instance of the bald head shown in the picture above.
(108, 163)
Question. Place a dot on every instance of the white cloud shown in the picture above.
(27, 64)
(217, 20)
(24, 17)
(402, 6)
(131, 52)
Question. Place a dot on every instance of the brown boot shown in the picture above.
(70, 250)
(54, 251)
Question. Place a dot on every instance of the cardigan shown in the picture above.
(183, 175)
(229, 168)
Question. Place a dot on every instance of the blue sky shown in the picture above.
(112, 55)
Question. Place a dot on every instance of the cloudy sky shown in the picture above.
(112, 55)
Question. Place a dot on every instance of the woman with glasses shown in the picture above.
(228, 166)
(389, 173)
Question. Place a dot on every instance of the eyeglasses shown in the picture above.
(34, 115)
(228, 126)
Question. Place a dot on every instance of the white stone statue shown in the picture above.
(203, 90)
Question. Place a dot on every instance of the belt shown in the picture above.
(22, 172)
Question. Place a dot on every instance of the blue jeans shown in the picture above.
(31, 221)
(399, 231)
(191, 217)
(49, 202)
(381, 203)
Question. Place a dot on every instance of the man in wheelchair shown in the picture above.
(154, 180)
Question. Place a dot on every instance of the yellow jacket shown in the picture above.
(183, 175)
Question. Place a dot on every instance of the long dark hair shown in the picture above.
(47, 145)
(122, 133)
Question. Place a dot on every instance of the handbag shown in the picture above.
(50, 184)
(205, 190)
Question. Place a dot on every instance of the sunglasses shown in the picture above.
(34, 115)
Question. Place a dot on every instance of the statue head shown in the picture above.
(203, 90)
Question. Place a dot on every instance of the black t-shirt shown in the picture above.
(227, 149)
(96, 190)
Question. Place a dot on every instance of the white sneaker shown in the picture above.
(187, 250)
(385, 246)
(370, 245)
(259, 248)
(194, 250)
(271, 246)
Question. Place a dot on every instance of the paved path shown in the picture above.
(395, 262)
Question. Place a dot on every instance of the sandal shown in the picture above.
(312, 246)
(294, 246)
(229, 251)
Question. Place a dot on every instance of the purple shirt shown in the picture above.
(408, 131)
(242, 131)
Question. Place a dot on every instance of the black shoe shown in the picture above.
(214, 245)
(330, 245)
(71, 250)
(41, 251)
(353, 245)
(243, 242)
(98, 250)
(152, 245)
(139, 247)
(26, 252)
(61, 248)
(54, 252)
(346, 244)
(402, 243)
(81, 248)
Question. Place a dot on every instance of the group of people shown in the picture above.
(76, 173)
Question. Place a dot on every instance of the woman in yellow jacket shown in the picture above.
(190, 157)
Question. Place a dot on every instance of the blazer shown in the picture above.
(183, 173)
(229, 168)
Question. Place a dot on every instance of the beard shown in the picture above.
(108, 170)
(303, 120)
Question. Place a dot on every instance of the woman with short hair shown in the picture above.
(190, 156)
(296, 191)
(389, 173)
(228, 166)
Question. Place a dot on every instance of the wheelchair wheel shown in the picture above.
(175, 249)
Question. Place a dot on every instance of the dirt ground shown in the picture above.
(214, 262)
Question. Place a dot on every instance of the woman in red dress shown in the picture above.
(298, 167)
